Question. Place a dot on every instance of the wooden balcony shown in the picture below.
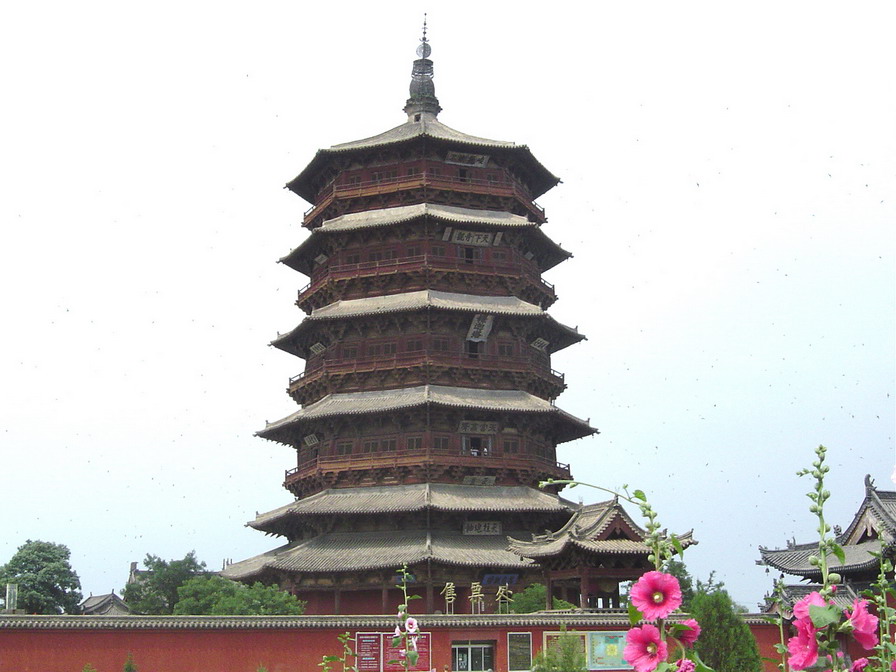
(428, 263)
(423, 358)
(419, 460)
(424, 179)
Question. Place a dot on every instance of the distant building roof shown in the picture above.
(872, 530)
(104, 605)
(377, 500)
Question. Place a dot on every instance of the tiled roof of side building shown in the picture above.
(795, 560)
(376, 500)
(360, 551)
(583, 531)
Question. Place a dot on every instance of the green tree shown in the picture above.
(677, 569)
(155, 591)
(47, 583)
(726, 643)
(219, 596)
(533, 598)
(564, 654)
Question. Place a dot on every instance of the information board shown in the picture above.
(519, 651)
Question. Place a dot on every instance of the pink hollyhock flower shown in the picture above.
(656, 595)
(685, 665)
(688, 637)
(864, 625)
(411, 624)
(644, 648)
(803, 648)
(859, 665)
(801, 608)
(397, 632)
(893, 664)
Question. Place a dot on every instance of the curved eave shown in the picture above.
(334, 553)
(426, 299)
(410, 498)
(568, 427)
(795, 561)
(301, 258)
(541, 178)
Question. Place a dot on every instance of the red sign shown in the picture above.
(392, 653)
(368, 651)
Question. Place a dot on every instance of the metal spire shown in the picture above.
(423, 92)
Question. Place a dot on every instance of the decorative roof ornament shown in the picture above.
(423, 92)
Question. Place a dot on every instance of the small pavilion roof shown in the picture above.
(406, 213)
(872, 530)
(360, 551)
(423, 299)
(378, 401)
(409, 498)
(423, 127)
(587, 530)
(793, 593)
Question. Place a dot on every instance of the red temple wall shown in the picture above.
(293, 649)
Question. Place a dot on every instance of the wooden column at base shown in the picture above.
(385, 607)
(336, 593)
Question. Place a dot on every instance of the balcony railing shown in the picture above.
(366, 269)
(402, 458)
(423, 179)
(515, 364)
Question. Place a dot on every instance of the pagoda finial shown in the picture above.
(423, 99)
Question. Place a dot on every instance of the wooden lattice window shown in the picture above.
(414, 443)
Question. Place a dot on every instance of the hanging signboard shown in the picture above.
(477, 427)
(480, 328)
(482, 527)
(477, 238)
(465, 159)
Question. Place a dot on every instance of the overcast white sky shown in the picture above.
(728, 193)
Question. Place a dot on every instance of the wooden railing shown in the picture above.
(322, 366)
(421, 262)
(423, 179)
(400, 458)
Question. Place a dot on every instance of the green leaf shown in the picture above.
(639, 494)
(824, 616)
(634, 616)
(676, 544)
(838, 551)
(413, 656)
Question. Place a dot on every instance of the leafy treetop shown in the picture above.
(155, 591)
(47, 583)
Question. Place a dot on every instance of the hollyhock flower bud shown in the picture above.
(688, 637)
(656, 595)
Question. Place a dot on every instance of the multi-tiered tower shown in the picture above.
(427, 417)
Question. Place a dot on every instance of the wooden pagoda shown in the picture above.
(426, 412)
